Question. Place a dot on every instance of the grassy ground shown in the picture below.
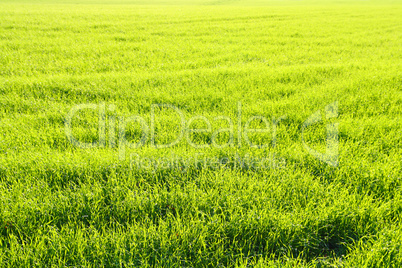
(63, 206)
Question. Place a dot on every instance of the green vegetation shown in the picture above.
(63, 206)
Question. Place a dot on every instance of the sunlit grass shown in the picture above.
(64, 206)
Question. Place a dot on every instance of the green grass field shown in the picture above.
(202, 202)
